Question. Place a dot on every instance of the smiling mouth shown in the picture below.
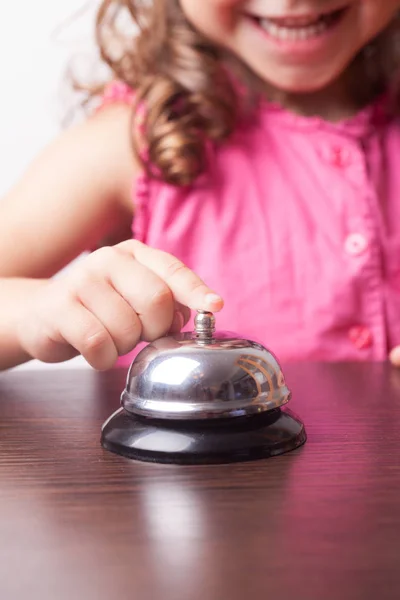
(299, 28)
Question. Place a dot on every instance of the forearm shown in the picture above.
(14, 296)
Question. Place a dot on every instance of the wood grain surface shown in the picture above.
(321, 523)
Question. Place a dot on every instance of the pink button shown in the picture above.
(356, 243)
(361, 337)
(337, 156)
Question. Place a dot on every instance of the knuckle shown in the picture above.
(82, 278)
(102, 259)
(174, 268)
(195, 284)
(94, 341)
(132, 330)
(129, 336)
(160, 298)
(103, 254)
(84, 283)
(129, 246)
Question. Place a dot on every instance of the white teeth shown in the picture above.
(299, 22)
(284, 33)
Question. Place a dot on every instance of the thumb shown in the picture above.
(394, 356)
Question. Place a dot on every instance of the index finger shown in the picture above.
(187, 287)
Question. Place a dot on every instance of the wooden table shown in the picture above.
(322, 523)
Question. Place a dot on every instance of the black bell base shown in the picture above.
(214, 441)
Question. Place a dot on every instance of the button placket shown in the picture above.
(339, 156)
(349, 160)
(361, 337)
(356, 244)
(345, 155)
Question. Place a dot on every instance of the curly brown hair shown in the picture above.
(185, 82)
(177, 75)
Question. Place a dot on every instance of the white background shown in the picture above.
(38, 38)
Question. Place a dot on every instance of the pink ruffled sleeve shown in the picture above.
(116, 92)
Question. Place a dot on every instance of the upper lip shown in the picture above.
(300, 16)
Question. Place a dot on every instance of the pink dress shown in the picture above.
(296, 223)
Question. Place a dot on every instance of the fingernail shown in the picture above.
(178, 322)
(212, 299)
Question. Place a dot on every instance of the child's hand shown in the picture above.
(103, 306)
(394, 356)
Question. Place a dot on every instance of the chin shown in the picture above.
(304, 84)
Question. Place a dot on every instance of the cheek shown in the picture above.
(211, 17)
(200, 19)
(377, 15)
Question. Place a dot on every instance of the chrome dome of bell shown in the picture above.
(204, 374)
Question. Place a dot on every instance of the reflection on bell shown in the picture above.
(203, 397)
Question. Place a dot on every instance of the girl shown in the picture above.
(254, 145)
